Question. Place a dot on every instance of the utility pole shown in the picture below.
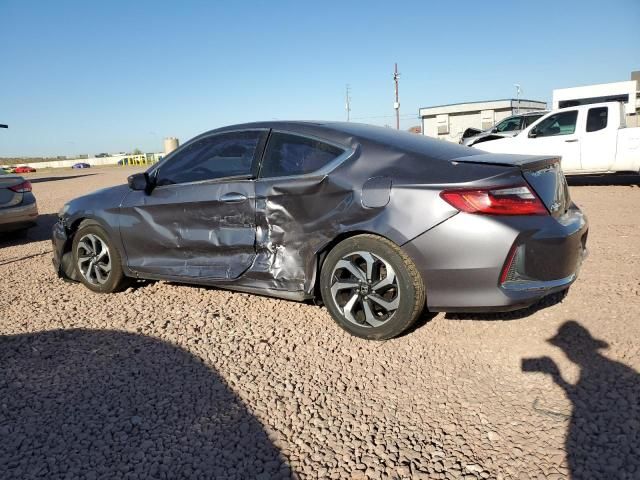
(396, 104)
(517, 85)
(348, 101)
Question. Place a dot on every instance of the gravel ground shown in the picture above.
(172, 381)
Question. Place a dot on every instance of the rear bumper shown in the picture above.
(461, 260)
(23, 215)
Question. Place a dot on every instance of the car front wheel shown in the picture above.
(97, 260)
(371, 287)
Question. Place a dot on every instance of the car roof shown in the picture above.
(537, 112)
(351, 133)
(527, 114)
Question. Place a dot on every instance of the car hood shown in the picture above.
(489, 133)
(499, 145)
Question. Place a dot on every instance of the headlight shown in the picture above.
(63, 211)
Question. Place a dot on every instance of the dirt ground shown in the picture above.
(174, 381)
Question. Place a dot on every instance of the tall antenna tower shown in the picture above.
(396, 104)
(348, 102)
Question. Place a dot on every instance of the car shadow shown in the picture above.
(41, 231)
(623, 179)
(545, 302)
(603, 440)
(55, 179)
(110, 404)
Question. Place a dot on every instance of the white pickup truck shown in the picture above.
(589, 138)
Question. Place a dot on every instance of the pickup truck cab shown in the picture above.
(589, 138)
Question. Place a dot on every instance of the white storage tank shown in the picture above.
(170, 144)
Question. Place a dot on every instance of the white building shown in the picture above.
(448, 122)
(625, 92)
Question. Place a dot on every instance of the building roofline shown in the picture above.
(483, 101)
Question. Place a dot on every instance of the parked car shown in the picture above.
(509, 127)
(102, 155)
(468, 133)
(9, 169)
(24, 169)
(375, 223)
(81, 165)
(589, 139)
(18, 207)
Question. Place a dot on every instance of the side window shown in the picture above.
(559, 124)
(509, 125)
(295, 155)
(529, 119)
(217, 156)
(597, 119)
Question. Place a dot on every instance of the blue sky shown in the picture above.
(86, 77)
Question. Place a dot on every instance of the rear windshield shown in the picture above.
(409, 142)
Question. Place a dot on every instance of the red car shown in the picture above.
(25, 169)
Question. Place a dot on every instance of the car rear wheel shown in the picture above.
(371, 287)
(97, 260)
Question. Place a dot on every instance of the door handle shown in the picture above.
(233, 197)
(572, 140)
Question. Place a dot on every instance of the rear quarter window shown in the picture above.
(597, 119)
(289, 154)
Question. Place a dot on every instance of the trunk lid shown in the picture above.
(9, 198)
(543, 174)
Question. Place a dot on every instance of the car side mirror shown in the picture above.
(533, 133)
(494, 130)
(140, 182)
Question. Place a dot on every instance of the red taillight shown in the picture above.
(22, 187)
(518, 200)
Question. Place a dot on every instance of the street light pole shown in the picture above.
(517, 85)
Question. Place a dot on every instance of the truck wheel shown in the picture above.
(371, 287)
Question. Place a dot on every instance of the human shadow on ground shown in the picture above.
(109, 404)
(603, 440)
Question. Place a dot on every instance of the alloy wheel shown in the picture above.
(94, 261)
(365, 289)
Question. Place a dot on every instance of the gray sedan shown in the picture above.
(375, 224)
(18, 208)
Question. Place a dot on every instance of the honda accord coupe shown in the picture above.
(373, 223)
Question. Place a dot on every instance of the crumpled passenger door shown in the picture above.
(205, 230)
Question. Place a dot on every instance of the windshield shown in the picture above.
(509, 124)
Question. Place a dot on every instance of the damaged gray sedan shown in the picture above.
(374, 223)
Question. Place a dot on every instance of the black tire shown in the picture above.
(109, 282)
(406, 291)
